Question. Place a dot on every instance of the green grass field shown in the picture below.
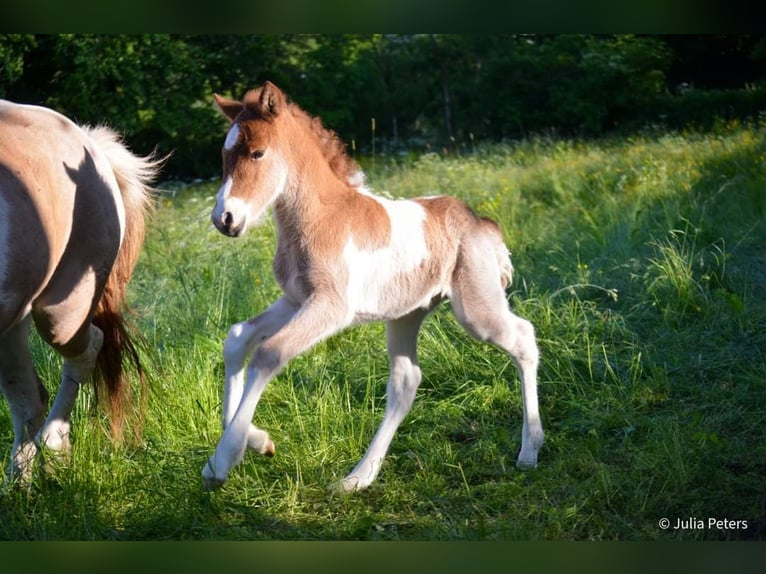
(640, 261)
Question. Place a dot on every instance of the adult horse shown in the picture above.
(72, 207)
(345, 256)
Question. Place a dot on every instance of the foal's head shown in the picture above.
(254, 170)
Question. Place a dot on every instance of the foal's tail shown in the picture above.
(501, 251)
(133, 174)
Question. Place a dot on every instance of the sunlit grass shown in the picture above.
(639, 261)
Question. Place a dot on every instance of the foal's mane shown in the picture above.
(332, 147)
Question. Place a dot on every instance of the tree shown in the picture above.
(422, 89)
(13, 49)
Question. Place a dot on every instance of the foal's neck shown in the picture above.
(315, 195)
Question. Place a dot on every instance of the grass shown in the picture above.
(641, 263)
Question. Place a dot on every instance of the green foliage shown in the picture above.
(424, 91)
(639, 261)
(13, 48)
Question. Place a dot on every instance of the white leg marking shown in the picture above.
(313, 322)
(231, 447)
(54, 434)
(526, 356)
(400, 393)
(242, 340)
(480, 306)
(517, 337)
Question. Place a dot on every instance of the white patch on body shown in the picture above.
(374, 289)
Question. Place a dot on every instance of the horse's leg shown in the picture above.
(62, 315)
(54, 434)
(27, 398)
(242, 339)
(403, 382)
(479, 303)
(314, 321)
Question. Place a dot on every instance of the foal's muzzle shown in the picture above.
(227, 224)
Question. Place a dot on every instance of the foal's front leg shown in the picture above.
(316, 320)
(240, 343)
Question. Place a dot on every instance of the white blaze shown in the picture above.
(249, 209)
(231, 137)
(225, 189)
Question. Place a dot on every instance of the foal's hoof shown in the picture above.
(526, 463)
(209, 480)
(15, 480)
(344, 487)
(259, 441)
(211, 484)
(269, 450)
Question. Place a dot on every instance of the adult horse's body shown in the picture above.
(72, 206)
(344, 257)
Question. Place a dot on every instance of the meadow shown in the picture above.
(641, 261)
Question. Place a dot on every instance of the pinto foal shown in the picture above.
(345, 256)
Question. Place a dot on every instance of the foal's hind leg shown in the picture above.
(480, 305)
(27, 398)
(402, 335)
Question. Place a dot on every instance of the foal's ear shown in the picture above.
(230, 108)
(271, 101)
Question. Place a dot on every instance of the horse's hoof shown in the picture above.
(52, 462)
(259, 441)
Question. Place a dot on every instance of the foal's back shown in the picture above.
(427, 245)
(386, 258)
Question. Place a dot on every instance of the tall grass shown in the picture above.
(641, 263)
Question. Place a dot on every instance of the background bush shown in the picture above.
(424, 91)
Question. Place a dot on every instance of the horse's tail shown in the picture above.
(133, 174)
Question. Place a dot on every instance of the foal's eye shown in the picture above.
(256, 154)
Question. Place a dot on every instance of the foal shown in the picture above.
(345, 256)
